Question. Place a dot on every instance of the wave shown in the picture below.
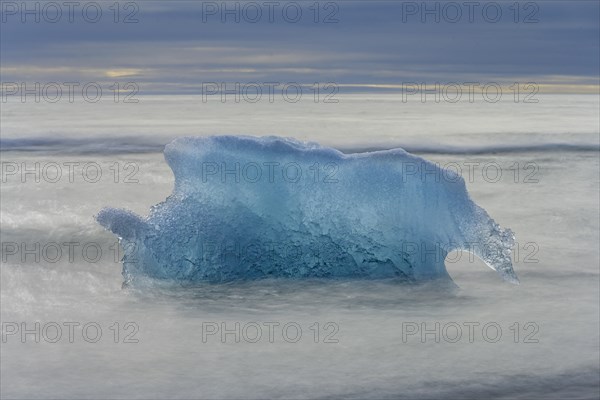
(581, 383)
(112, 145)
(140, 145)
(489, 149)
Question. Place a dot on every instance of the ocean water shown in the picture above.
(534, 167)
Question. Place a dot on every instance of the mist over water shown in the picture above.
(342, 338)
(356, 122)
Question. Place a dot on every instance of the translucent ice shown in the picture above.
(248, 208)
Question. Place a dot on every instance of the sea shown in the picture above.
(71, 330)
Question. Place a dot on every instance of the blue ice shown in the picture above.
(249, 208)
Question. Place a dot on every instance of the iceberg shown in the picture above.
(257, 207)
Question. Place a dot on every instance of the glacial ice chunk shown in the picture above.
(248, 208)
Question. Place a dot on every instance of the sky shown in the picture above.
(175, 47)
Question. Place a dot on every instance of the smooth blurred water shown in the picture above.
(355, 121)
(556, 221)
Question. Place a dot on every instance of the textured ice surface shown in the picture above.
(249, 208)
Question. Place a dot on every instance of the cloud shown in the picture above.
(123, 73)
(175, 46)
